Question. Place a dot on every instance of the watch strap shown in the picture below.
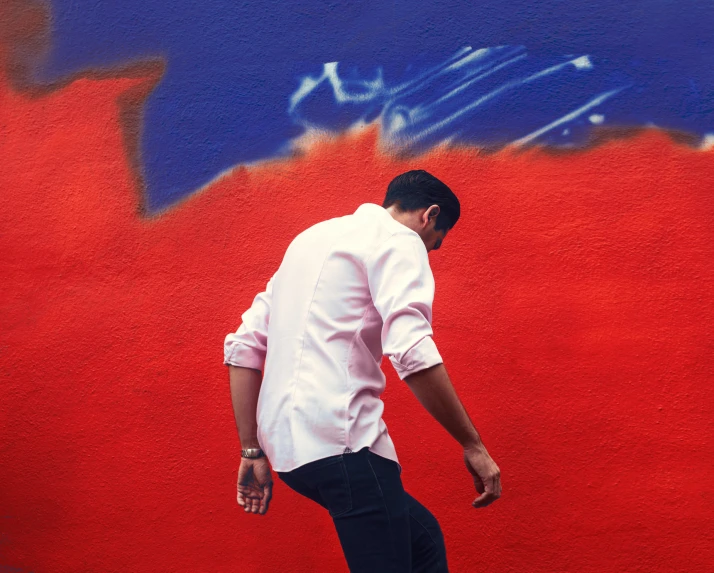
(252, 453)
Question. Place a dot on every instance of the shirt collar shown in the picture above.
(374, 210)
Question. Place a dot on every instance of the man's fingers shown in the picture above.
(254, 500)
(478, 484)
(267, 496)
(496, 485)
(484, 499)
(490, 494)
(245, 498)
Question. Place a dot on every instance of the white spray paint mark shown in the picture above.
(582, 63)
(566, 118)
(483, 99)
(430, 108)
(707, 142)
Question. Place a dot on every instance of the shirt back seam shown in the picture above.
(304, 333)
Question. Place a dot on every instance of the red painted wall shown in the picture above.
(574, 310)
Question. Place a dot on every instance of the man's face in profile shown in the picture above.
(437, 245)
(431, 237)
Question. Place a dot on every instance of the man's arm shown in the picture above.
(434, 390)
(402, 288)
(255, 483)
(244, 353)
(245, 389)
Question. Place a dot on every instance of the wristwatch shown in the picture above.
(252, 453)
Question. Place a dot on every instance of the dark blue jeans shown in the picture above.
(381, 527)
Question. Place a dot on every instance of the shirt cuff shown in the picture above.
(421, 356)
(237, 354)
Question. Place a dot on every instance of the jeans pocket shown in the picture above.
(334, 488)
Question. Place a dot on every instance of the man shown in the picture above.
(348, 291)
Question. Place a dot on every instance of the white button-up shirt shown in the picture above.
(348, 291)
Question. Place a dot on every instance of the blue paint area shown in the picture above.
(232, 68)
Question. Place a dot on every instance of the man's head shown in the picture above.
(427, 206)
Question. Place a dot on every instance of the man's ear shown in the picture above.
(434, 211)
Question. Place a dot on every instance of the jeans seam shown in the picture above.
(384, 503)
(428, 533)
(346, 477)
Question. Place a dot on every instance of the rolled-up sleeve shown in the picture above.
(248, 345)
(402, 288)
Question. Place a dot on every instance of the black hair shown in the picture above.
(418, 190)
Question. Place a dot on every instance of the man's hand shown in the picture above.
(487, 476)
(255, 485)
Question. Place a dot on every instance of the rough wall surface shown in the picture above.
(574, 310)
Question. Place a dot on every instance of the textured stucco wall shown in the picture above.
(574, 310)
